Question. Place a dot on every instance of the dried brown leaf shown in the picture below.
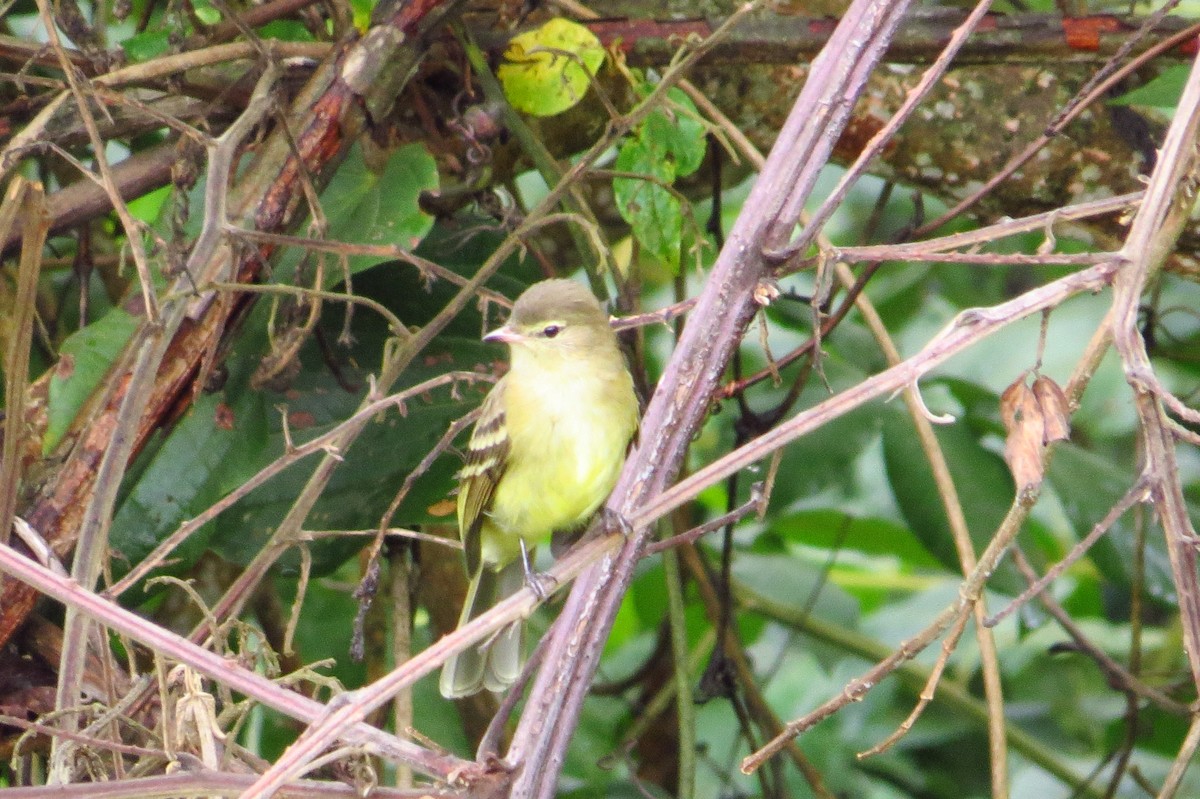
(1025, 426)
(1056, 415)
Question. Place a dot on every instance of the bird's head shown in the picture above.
(555, 317)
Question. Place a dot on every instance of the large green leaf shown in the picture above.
(1163, 91)
(371, 471)
(84, 360)
(1088, 486)
(212, 446)
(824, 457)
(799, 585)
(832, 529)
(984, 486)
(363, 205)
(200, 461)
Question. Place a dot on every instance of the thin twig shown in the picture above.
(25, 201)
(956, 518)
(754, 504)
(1138, 492)
(323, 443)
(967, 329)
(353, 707)
(365, 593)
(1081, 102)
(759, 708)
(1151, 240)
(1121, 677)
(930, 249)
(224, 670)
(928, 692)
(929, 79)
(952, 694)
(130, 225)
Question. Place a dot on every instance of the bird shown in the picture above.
(544, 455)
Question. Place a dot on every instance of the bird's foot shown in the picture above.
(541, 584)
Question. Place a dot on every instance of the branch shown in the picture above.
(358, 75)
(1170, 196)
(682, 400)
(215, 666)
(967, 329)
(789, 39)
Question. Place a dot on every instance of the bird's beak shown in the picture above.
(503, 335)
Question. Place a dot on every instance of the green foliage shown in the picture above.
(287, 30)
(669, 144)
(548, 70)
(189, 471)
(206, 12)
(249, 434)
(1088, 485)
(1162, 91)
(980, 477)
(146, 45)
(852, 557)
(363, 205)
(84, 361)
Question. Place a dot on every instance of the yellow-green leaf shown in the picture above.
(547, 70)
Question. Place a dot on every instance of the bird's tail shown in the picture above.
(496, 662)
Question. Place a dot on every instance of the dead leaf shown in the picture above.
(1026, 432)
(1056, 414)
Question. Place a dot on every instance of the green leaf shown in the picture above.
(654, 212)
(286, 30)
(361, 487)
(824, 458)
(1088, 485)
(677, 131)
(832, 529)
(149, 206)
(981, 479)
(146, 45)
(798, 585)
(1161, 92)
(362, 13)
(371, 471)
(667, 145)
(548, 70)
(84, 360)
(206, 12)
(210, 447)
(368, 207)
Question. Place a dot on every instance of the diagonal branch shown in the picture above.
(682, 400)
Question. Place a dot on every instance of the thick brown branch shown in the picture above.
(772, 38)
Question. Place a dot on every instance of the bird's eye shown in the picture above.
(550, 331)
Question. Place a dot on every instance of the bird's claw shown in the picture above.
(541, 584)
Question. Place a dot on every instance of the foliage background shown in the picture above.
(852, 557)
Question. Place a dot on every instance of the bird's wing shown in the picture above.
(487, 458)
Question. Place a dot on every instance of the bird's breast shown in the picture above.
(568, 435)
